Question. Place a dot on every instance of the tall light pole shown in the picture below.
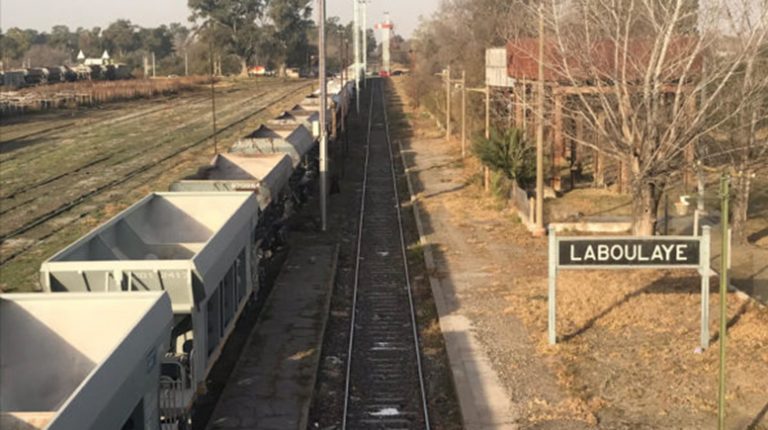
(540, 132)
(323, 114)
(364, 35)
(356, 34)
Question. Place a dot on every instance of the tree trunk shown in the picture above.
(243, 67)
(645, 202)
(644, 209)
(740, 192)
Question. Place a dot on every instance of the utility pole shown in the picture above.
(540, 133)
(186, 63)
(323, 115)
(146, 67)
(343, 61)
(448, 104)
(486, 170)
(364, 31)
(486, 91)
(153, 64)
(463, 113)
(356, 34)
(213, 99)
(724, 266)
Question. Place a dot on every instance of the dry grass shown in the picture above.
(69, 95)
(626, 356)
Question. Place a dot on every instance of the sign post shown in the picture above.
(651, 252)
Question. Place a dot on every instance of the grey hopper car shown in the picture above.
(195, 247)
(296, 141)
(82, 361)
(270, 177)
(295, 116)
(312, 101)
(266, 175)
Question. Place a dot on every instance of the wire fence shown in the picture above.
(72, 95)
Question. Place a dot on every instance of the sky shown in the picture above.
(44, 14)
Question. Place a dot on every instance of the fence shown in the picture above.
(71, 95)
(523, 204)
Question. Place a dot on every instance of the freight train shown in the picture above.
(27, 77)
(202, 246)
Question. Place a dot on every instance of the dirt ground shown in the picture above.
(64, 172)
(626, 355)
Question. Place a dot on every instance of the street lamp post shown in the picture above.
(356, 34)
(323, 115)
(364, 35)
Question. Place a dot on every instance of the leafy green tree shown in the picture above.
(291, 20)
(120, 37)
(157, 40)
(16, 42)
(62, 39)
(89, 41)
(181, 38)
(508, 152)
(238, 18)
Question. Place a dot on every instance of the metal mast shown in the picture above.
(356, 34)
(364, 35)
(323, 119)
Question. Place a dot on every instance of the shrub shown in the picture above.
(508, 152)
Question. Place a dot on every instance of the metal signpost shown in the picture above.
(652, 252)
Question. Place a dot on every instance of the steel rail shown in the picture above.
(405, 264)
(405, 271)
(348, 377)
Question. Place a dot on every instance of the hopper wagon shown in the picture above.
(299, 115)
(295, 116)
(82, 361)
(266, 175)
(194, 246)
(295, 141)
(312, 102)
(269, 177)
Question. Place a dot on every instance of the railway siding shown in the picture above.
(81, 174)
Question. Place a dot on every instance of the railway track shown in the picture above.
(38, 222)
(193, 102)
(113, 160)
(384, 386)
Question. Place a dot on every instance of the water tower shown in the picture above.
(386, 28)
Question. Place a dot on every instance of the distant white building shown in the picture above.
(103, 61)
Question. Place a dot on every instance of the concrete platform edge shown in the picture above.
(304, 420)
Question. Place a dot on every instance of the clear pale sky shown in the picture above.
(44, 14)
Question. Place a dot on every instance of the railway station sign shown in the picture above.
(628, 252)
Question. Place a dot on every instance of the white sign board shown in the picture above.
(652, 252)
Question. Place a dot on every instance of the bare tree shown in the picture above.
(649, 78)
(740, 144)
